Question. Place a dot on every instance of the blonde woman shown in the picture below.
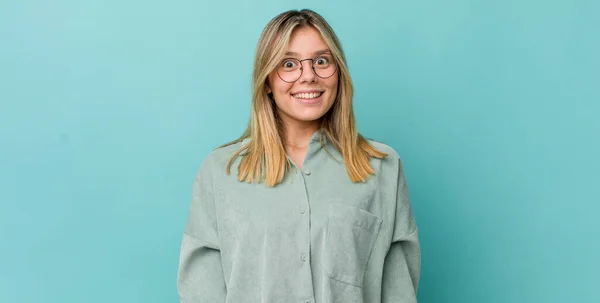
(301, 208)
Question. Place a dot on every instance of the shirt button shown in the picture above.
(302, 211)
(307, 301)
(307, 172)
(303, 257)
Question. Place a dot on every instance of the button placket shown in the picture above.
(303, 209)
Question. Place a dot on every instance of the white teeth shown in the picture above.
(307, 95)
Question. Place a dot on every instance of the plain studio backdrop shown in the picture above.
(107, 109)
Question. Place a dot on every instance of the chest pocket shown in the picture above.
(351, 234)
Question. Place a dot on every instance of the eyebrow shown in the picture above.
(320, 52)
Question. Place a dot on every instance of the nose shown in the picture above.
(308, 74)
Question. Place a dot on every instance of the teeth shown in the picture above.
(307, 95)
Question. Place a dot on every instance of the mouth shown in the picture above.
(308, 98)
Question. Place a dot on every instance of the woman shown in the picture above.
(313, 212)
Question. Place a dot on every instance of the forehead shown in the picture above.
(306, 41)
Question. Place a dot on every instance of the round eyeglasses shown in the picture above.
(290, 69)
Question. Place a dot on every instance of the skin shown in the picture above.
(302, 120)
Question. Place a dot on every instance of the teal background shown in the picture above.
(107, 109)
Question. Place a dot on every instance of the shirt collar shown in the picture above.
(316, 137)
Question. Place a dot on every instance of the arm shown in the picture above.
(402, 267)
(200, 275)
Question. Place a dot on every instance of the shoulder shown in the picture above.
(216, 161)
(392, 154)
(392, 163)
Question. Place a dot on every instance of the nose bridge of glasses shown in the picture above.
(312, 62)
(312, 73)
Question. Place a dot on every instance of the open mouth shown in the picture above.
(308, 96)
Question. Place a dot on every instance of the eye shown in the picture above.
(322, 61)
(289, 64)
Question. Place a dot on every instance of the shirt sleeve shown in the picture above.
(402, 267)
(200, 274)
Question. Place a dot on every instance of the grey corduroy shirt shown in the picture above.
(317, 237)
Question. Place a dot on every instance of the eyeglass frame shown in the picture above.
(312, 65)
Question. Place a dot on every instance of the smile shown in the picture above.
(307, 95)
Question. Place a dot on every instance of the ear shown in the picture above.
(267, 87)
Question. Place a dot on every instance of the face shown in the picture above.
(309, 97)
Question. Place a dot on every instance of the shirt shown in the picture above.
(317, 237)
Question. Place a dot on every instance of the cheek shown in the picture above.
(278, 86)
(332, 85)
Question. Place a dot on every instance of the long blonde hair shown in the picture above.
(264, 158)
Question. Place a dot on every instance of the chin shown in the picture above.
(309, 116)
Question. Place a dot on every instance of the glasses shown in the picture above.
(290, 69)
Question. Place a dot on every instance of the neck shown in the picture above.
(298, 134)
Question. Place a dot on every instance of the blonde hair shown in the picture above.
(264, 158)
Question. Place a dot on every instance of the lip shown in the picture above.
(308, 91)
(309, 101)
